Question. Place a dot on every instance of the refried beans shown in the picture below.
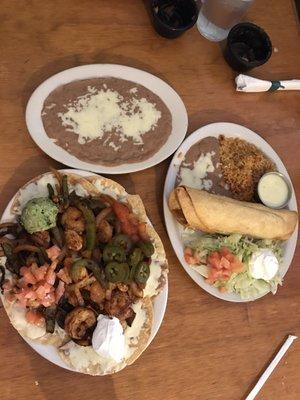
(201, 168)
(107, 121)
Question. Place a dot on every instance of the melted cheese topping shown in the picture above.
(100, 111)
(18, 320)
(153, 280)
(39, 189)
(113, 192)
(132, 332)
(36, 189)
(84, 357)
(195, 177)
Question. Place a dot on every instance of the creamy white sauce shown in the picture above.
(196, 177)
(273, 190)
(263, 265)
(100, 111)
(108, 338)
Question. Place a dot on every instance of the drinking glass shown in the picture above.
(217, 17)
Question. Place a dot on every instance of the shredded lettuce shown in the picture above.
(243, 247)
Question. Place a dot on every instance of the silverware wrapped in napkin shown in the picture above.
(245, 83)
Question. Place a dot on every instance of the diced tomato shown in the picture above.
(237, 266)
(191, 257)
(35, 318)
(38, 272)
(49, 299)
(63, 274)
(222, 264)
(27, 275)
(50, 277)
(214, 260)
(59, 291)
(41, 292)
(53, 252)
(30, 294)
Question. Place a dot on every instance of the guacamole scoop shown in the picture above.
(39, 215)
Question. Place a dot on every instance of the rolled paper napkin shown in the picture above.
(245, 83)
(200, 210)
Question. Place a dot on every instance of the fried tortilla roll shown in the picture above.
(200, 210)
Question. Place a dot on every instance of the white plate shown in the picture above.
(159, 87)
(174, 228)
(50, 352)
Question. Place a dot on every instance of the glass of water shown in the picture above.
(217, 17)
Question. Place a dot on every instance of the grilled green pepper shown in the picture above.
(135, 257)
(50, 317)
(113, 253)
(117, 272)
(122, 241)
(50, 190)
(140, 273)
(147, 248)
(90, 229)
(65, 190)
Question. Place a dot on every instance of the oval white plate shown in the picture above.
(174, 228)
(50, 352)
(156, 85)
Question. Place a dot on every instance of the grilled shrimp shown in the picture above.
(118, 304)
(104, 231)
(73, 219)
(78, 321)
(73, 240)
(97, 293)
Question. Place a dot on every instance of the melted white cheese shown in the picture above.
(112, 192)
(132, 332)
(79, 190)
(195, 177)
(153, 280)
(97, 112)
(36, 189)
(18, 320)
(82, 357)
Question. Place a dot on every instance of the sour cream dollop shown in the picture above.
(108, 338)
(263, 265)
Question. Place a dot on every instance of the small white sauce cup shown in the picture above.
(289, 190)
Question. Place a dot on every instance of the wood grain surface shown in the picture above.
(206, 348)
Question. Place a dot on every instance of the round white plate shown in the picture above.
(174, 228)
(156, 85)
(50, 352)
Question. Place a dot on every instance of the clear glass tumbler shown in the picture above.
(217, 17)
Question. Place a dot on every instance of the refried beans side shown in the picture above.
(109, 150)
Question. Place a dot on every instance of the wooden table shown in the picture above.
(206, 348)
